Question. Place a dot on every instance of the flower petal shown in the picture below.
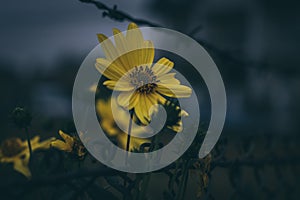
(141, 110)
(134, 36)
(124, 98)
(162, 66)
(135, 42)
(148, 53)
(58, 144)
(66, 137)
(174, 91)
(21, 165)
(120, 41)
(150, 105)
(46, 144)
(118, 85)
(168, 79)
(146, 107)
(127, 99)
(108, 47)
(160, 99)
(108, 69)
(177, 127)
(34, 140)
(122, 48)
(153, 98)
(183, 113)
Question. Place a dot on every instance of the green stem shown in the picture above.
(129, 131)
(28, 141)
(128, 135)
(128, 142)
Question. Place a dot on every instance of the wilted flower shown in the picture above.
(21, 117)
(176, 113)
(128, 66)
(15, 151)
(70, 144)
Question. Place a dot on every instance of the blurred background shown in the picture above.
(255, 44)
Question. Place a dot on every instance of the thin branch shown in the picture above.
(118, 15)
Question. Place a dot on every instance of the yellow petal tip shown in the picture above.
(132, 26)
(116, 31)
(101, 37)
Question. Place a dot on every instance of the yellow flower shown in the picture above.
(16, 151)
(140, 82)
(66, 145)
(70, 144)
(109, 125)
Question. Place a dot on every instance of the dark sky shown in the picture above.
(43, 30)
(40, 31)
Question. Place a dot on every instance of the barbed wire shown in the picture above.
(218, 161)
(115, 14)
(118, 15)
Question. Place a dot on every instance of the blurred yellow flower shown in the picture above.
(129, 67)
(109, 125)
(66, 145)
(70, 144)
(16, 151)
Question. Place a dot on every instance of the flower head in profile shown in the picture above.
(175, 123)
(112, 130)
(129, 67)
(69, 144)
(21, 117)
(16, 151)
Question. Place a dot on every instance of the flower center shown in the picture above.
(12, 147)
(143, 79)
